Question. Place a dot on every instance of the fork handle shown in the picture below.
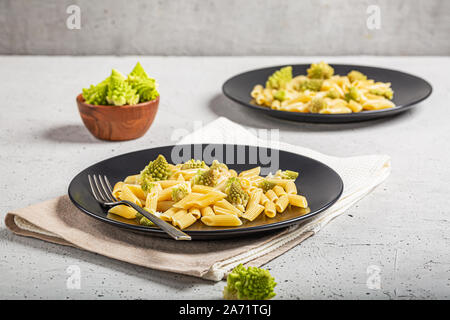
(175, 233)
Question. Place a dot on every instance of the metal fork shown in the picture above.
(102, 192)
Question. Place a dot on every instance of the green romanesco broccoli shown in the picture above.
(156, 170)
(216, 165)
(280, 95)
(235, 194)
(352, 94)
(287, 174)
(119, 91)
(179, 193)
(138, 73)
(194, 164)
(311, 84)
(96, 95)
(266, 185)
(206, 177)
(320, 70)
(146, 89)
(332, 93)
(250, 283)
(317, 104)
(356, 75)
(383, 92)
(279, 78)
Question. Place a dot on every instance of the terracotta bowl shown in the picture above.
(118, 123)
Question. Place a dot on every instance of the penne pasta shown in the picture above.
(282, 203)
(279, 190)
(253, 212)
(227, 220)
(298, 200)
(207, 211)
(290, 188)
(270, 209)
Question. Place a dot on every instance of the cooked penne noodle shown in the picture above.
(164, 205)
(279, 190)
(270, 209)
(187, 202)
(252, 212)
(134, 179)
(290, 188)
(255, 197)
(195, 212)
(227, 205)
(183, 220)
(151, 203)
(282, 203)
(127, 194)
(271, 195)
(252, 172)
(123, 211)
(264, 199)
(227, 220)
(168, 214)
(137, 191)
(201, 189)
(117, 189)
(298, 200)
(207, 211)
(222, 210)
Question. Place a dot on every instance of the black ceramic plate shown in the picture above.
(408, 91)
(321, 185)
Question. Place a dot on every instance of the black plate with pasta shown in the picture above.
(405, 90)
(316, 186)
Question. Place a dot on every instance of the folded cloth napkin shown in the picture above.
(58, 221)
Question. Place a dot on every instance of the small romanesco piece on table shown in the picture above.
(279, 78)
(156, 170)
(250, 283)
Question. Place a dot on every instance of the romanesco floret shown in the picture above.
(266, 185)
(235, 194)
(320, 70)
(194, 164)
(311, 84)
(206, 177)
(287, 174)
(384, 92)
(352, 94)
(119, 91)
(317, 104)
(356, 75)
(250, 283)
(156, 170)
(279, 78)
(138, 73)
(280, 95)
(332, 94)
(216, 165)
(145, 222)
(179, 192)
(146, 89)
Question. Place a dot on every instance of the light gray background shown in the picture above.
(402, 226)
(219, 27)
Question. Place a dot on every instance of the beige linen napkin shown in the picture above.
(58, 221)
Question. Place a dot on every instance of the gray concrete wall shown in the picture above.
(225, 27)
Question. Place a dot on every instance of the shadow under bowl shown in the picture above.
(118, 123)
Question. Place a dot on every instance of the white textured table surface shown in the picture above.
(402, 228)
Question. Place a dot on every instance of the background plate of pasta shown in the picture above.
(320, 92)
(243, 194)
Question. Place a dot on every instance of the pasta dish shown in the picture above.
(215, 195)
(321, 91)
